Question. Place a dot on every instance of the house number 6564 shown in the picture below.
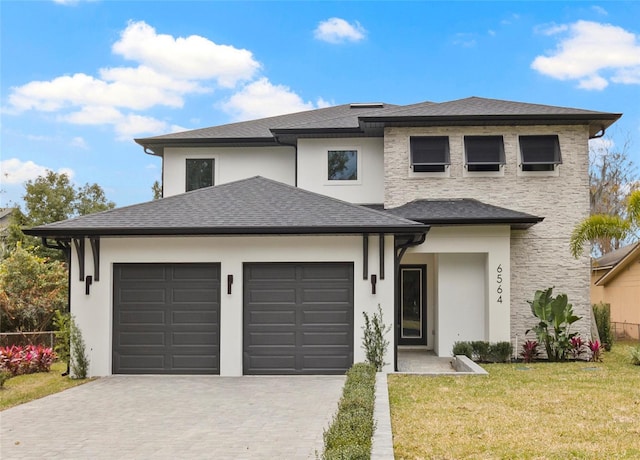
(499, 282)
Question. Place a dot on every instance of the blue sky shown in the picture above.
(81, 79)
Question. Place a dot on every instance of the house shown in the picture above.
(275, 235)
(615, 279)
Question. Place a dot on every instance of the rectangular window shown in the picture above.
(342, 165)
(484, 153)
(199, 173)
(540, 153)
(430, 154)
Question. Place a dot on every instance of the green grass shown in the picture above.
(570, 410)
(25, 388)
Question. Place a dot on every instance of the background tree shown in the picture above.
(51, 198)
(32, 289)
(156, 189)
(612, 179)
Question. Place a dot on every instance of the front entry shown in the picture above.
(413, 305)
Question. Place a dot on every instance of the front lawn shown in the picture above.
(25, 388)
(541, 410)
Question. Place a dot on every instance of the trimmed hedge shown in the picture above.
(349, 435)
(484, 352)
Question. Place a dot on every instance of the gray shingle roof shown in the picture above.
(347, 117)
(464, 211)
(249, 206)
(614, 257)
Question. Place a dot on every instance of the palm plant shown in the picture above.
(608, 226)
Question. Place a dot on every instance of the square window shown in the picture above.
(199, 173)
(342, 165)
(540, 153)
(484, 153)
(430, 154)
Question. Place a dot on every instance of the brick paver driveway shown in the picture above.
(175, 417)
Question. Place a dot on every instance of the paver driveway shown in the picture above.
(175, 417)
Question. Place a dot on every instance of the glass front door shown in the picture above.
(413, 305)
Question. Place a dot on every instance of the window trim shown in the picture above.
(186, 172)
(498, 163)
(445, 164)
(553, 165)
(339, 182)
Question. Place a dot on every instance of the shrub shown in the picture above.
(349, 435)
(602, 315)
(374, 343)
(462, 348)
(577, 346)
(4, 376)
(555, 316)
(17, 360)
(501, 352)
(634, 355)
(79, 361)
(530, 351)
(481, 351)
(62, 323)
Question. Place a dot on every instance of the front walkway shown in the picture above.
(164, 417)
(421, 361)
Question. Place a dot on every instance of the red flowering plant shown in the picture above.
(530, 351)
(577, 347)
(26, 360)
(595, 347)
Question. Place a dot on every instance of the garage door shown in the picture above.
(166, 319)
(298, 318)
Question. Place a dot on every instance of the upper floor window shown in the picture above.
(484, 153)
(430, 153)
(540, 153)
(199, 173)
(342, 165)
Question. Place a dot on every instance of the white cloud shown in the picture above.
(264, 99)
(594, 54)
(551, 29)
(466, 40)
(600, 10)
(193, 57)
(15, 171)
(79, 142)
(71, 2)
(133, 125)
(336, 30)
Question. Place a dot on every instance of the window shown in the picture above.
(199, 173)
(540, 153)
(342, 165)
(484, 153)
(430, 154)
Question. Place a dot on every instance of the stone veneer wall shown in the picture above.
(540, 256)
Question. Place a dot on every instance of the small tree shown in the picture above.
(79, 359)
(556, 317)
(32, 288)
(374, 343)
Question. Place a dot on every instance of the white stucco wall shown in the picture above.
(465, 299)
(231, 164)
(312, 169)
(94, 312)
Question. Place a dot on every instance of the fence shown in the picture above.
(626, 330)
(46, 338)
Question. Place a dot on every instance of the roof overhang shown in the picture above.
(156, 147)
(632, 257)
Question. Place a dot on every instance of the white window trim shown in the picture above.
(521, 173)
(422, 175)
(465, 170)
(359, 171)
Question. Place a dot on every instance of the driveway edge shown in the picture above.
(382, 442)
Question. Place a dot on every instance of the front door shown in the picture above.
(413, 305)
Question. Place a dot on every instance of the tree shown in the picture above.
(612, 178)
(156, 189)
(51, 198)
(608, 226)
(32, 288)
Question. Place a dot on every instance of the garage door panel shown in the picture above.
(168, 325)
(283, 338)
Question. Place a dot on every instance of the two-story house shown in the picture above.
(275, 235)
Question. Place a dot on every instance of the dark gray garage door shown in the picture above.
(166, 319)
(298, 318)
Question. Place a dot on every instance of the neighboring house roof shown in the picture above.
(615, 261)
(254, 206)
(464, 211)
(370, 119)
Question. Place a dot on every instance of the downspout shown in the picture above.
(400, 249)
(599, 134)
(295, 158)
(63, 245)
